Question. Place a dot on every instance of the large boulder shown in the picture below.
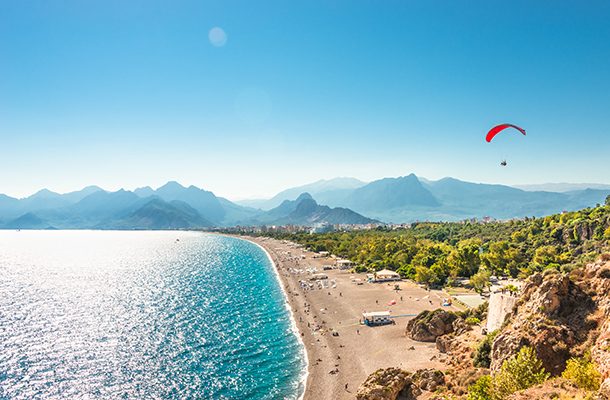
(428, 325)
(384, 384)
(396, 384)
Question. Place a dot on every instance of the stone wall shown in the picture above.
(500, 305)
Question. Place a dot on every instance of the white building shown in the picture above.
(377, 318)
(387, 275)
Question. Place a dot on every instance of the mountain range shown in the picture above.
(410, 198)
(336, 201)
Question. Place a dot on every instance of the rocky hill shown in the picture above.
(562, 316)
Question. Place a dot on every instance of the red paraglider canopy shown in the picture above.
(494, 131)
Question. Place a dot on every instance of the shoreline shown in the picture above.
(337, 364)
(293, 323)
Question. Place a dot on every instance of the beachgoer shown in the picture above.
(358, 331)
(346, 386)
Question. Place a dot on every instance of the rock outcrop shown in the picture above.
(384, 384)
(396, 384)
(600, 352)
(429, 325)
(561, 316)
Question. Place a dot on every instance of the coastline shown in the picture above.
(337, 365)
(303, 378)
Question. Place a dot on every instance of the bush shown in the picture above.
(582, 372)
(519, 373)
(359, 269)
(516, 373)
(473, 321)
(481, 354)
(481, 389)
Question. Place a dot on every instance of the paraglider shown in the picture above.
(496, 129)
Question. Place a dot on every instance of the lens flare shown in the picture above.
(218, 37)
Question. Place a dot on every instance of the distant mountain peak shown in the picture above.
(41, 194)
(172, 185)
(45, 191)
(303, 196)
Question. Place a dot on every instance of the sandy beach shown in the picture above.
(356, 350)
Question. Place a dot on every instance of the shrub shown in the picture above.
(518, 373)
(582, 372)
(359, 269)
(481, 390)
(512, 288)
(481, 354)
(473, 321)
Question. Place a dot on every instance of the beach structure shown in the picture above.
(344, 264)
(387, 275)
(376, 318)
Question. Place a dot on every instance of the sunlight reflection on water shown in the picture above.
(90, 314)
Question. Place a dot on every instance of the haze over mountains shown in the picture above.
(340, 200)
(410, 198)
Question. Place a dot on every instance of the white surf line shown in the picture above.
(293, 322)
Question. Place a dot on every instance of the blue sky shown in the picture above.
(123, 94)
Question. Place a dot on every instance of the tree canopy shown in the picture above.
(435, 253)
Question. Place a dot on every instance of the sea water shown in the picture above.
(143, 315)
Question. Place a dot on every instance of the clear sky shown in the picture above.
(247, 98)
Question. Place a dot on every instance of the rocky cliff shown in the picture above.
(561, 316)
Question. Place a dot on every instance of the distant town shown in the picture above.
(325, 227)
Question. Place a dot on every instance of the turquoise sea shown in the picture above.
(143, 315)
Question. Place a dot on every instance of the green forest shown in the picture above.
(437, 253)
